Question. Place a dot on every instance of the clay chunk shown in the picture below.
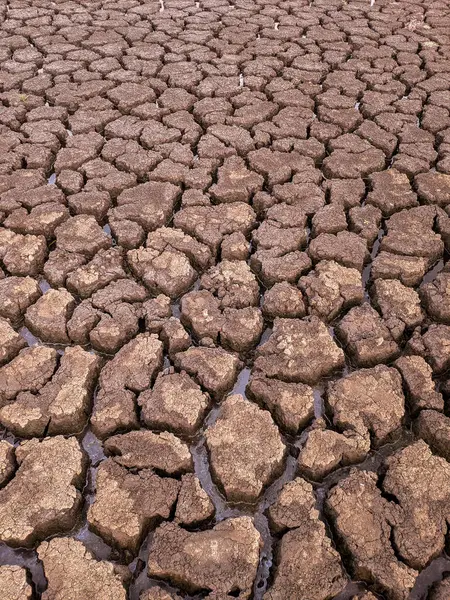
(299, 351)
(43, 498)
(215, 369)
(16, 295)
(291, 404)
(10, 342)
(127, 505)
(7, 461)
(61, 405)
(147, 450)
(436, 298)
(14, 584)
(331, 288)
(420, 483)
(434, 428)
(367, 337)
(73, 573)
(131, 371)
(27, 372)
(307, 565)
(325, 450)
(221, 560)
(194, 505)
(47, 318)
(175, 402)
(363, 521)
(417, 375)
(246, 449)
(368, 401)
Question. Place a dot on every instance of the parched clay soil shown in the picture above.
(224, 299)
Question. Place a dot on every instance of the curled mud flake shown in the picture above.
(147, 450)
(43, 498)
(246, 449)
(73, 572)
(62, 405)
(222, 560)
(127, 505)
(215, 369)
(307, 565)
(14, 583)
(299, 351)
(363, 521)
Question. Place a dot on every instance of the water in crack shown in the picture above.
(319, 408)
(431, 275)
(30, 339)
(27, 559)
(44, 285)
(241, 382)
(94, 449)
(368, 267)
(429, 576)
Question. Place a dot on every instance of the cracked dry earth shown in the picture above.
(224, 299)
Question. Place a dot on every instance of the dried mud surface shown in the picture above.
(224, 299)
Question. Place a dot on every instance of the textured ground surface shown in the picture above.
(224, 299)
